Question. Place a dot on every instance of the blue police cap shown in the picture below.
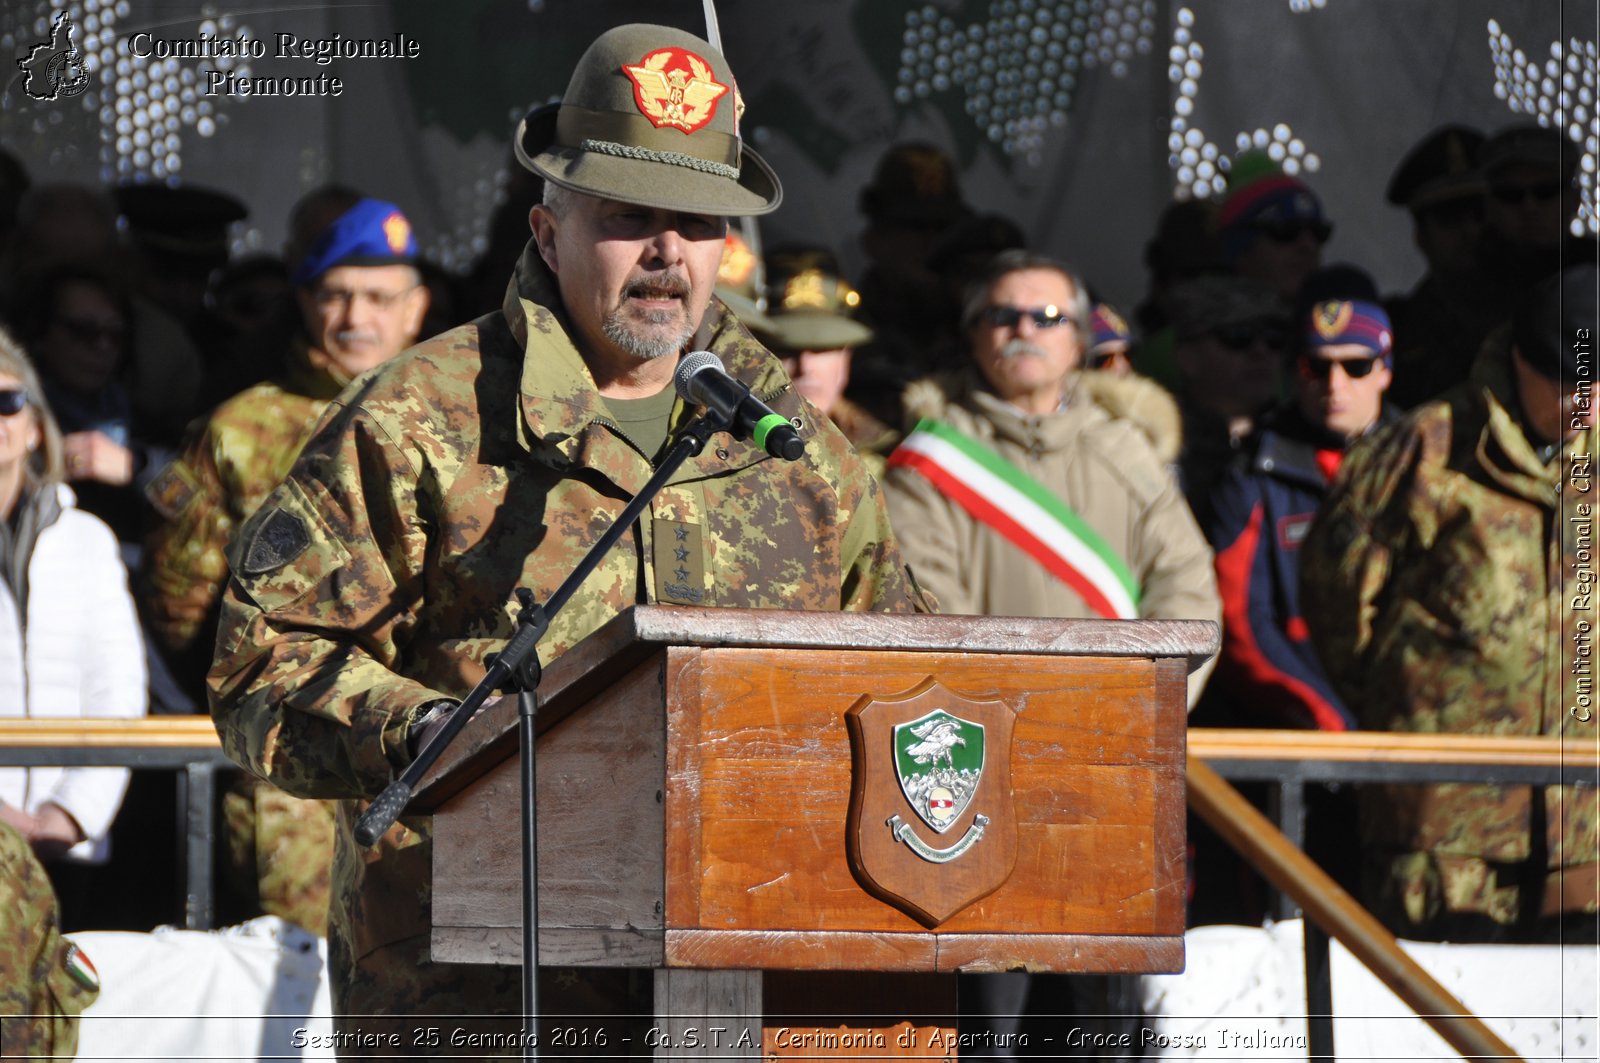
(371, 233)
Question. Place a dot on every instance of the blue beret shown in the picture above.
(371, 233)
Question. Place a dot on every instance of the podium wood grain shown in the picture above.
(693, 813)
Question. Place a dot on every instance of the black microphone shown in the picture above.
(700, 379)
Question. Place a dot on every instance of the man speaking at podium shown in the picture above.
(370, 586)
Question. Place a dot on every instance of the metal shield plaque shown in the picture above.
(932, 824)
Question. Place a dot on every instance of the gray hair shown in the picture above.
(47, 465)
(1016, 260)
(559, 200)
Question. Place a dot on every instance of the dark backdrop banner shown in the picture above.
(1079, 119)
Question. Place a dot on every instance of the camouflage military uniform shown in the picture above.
(45, 981)
(280, 847)
(872, 438)
(380, 575)
(1433, 584)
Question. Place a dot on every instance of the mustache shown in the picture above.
(670, 283)
(1017, 347)
(350, 336)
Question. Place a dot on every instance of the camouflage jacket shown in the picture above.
(1436, 586)
(872, 438)
(377, 577)
(242, 452)
(45, 980)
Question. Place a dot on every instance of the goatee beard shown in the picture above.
(645, 345)
(655, 333)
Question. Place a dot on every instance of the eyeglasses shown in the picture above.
(1287, 232)
(1011, 316)
(87, 330)
(12, 401)
(330, 298)
(1242, 337)
(1512, 195)
(1322, 368)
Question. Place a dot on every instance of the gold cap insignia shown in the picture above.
(1331, 318)
(396, 232)
(738, 262)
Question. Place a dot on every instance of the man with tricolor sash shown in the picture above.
(1031, 487)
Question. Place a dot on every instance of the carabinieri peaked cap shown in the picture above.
(650, 117)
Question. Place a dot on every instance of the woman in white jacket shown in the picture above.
(69, 639)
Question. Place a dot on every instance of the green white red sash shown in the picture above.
(1025, 512)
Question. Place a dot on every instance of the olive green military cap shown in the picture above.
(651, 117)
(809, 304)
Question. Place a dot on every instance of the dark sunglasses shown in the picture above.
(1511, 195)
(1242, 337)
(86, 331)
(1011, 316)
(1287, 232)
(1322, 368)
(12, 400)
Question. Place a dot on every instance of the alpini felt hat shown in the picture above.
(809, 305)
(650, 117)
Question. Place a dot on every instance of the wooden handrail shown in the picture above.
(155, 732)
(1221, 743)
(198, 732)
(1335, 911)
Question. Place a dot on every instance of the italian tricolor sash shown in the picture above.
(1025, 512)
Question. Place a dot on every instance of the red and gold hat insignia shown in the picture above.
(675, 88)
(738, 261)
(1331, 318)
(396, 232)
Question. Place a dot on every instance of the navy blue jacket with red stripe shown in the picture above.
(1268, 672)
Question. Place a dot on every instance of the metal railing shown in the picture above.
(187, 745)
(1289, 761)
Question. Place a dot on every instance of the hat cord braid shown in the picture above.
(671, 158)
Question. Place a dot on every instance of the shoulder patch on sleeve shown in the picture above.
(172, 490)
(77, 964)
(278, 539)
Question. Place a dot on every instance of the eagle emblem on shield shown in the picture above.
(939, 760)
(932, 827)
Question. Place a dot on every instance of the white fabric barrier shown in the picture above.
(254, 991)
(1243, 996)
(260, 991)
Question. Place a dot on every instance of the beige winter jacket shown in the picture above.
(1100, 454)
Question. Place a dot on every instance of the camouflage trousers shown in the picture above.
(1431, 896)
(44, 982)
(396, 1001)
(280, 850)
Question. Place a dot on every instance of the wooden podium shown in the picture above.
(726, 792)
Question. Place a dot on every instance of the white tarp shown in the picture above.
(1242, 995)
(257, 990)
(260, 991)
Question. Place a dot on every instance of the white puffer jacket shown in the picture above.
(80, 655)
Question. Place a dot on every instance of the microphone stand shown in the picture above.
(517, 668)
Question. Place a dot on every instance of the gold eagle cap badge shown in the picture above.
(675, 88)
(1330, 318)
(396, 232)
